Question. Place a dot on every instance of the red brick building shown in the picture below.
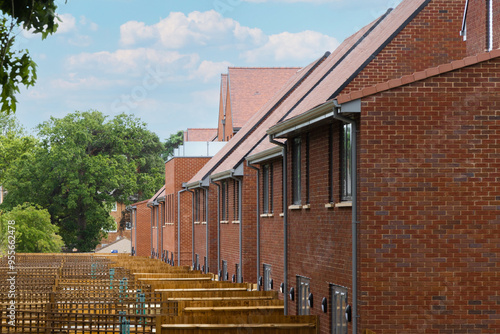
(141, 234)
(243, 91)
(367, 186)
(481, 26)
(122, 226)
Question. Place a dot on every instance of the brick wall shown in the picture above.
(430, 39)
(430, 221)
(177, 171)
(319, 238)
(143, 226)
(271, 228)
(476, 27)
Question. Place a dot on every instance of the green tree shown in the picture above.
(14, 147)
(16, 66)
(32, 228)
(174, 141)
(83, 164)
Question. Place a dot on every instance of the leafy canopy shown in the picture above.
(32, 229)
(172, 143)
(83, 163)
(16, 66)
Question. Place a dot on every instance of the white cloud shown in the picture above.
(196, 29)
(209, 70)
(67, 24)
(86, 22)
(288, 46)
(128, 61)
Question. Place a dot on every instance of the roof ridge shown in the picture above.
(419, 76)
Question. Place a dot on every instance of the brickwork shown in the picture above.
(429, 204)
(143, 225)
(496, 25)
(121, 231)
(430, 39)
(476, 27)
(319, 238)
(177, 171)
(271, 228)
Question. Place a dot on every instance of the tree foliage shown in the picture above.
(16, 66)
(173, 142)
(32, 228)
(82, 163)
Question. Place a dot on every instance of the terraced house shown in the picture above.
(366, 189)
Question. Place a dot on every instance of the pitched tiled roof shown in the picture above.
(276, 109)
(200, 134)
(251, 87)
(381, 34)
(158, 194)
(251, 124)
(418, 76)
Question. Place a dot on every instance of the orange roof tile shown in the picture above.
(200, 134)
(251, 87)
(324, 82)
(290, 95)
(158, 194)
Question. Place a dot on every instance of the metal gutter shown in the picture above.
(179, 223)
(354, 220)
(240, 207)
(285, 221)
(218, 225)
(490, 25)
(319, 113)
(464, 20)
(206, 228)
(266, 155)
(258, 217)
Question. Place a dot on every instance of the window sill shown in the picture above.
(203, 223)
(235, 222)
(267, 215)
(295, 207)
(282, 215)
(346, 204)
(169, 224)
(306, 207)
(197, 223)
(224, 222)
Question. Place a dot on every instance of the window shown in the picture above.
(224, 271)
(307, 169)
(346, 160)
(197, 205)
(267, 277)
(128, 226)
(114, 207)
(303, 295)
(265, 188)
(338, 296)
(271, 192)
(224, 201)
(236, 192)
(296, 170)
(331, 196)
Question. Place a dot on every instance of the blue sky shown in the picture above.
(161, 60)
